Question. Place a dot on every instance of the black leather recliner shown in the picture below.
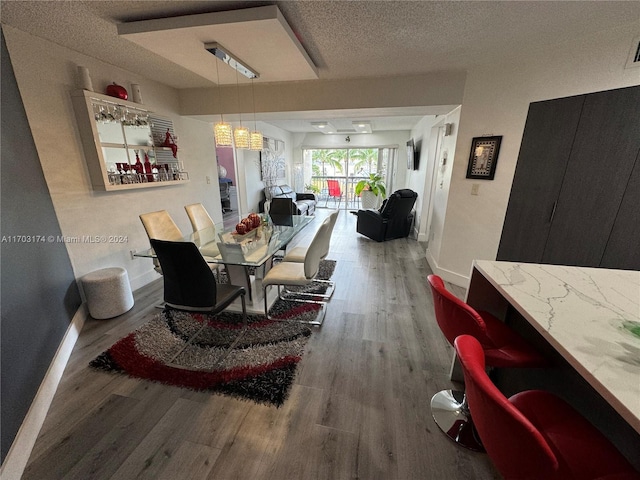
(393, 220)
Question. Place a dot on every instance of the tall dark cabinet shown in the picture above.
(575, 198)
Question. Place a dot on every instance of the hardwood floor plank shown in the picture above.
(130, 428)
(73, 446)
(155, 451)
(193, 458)
(220, 421)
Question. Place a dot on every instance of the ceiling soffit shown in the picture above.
(260, 36)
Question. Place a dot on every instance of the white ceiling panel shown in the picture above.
(258, 36)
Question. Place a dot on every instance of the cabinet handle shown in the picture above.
(553, 211)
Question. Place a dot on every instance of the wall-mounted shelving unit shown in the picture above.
(124, 144)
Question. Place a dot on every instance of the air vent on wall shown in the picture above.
(634, 54)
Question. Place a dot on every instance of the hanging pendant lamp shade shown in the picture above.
(222, 134)
(255, 141)
(241, 137)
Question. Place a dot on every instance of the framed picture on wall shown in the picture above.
(410, 154)
(483, 157)
(272, 160)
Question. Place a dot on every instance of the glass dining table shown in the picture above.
(247, 258)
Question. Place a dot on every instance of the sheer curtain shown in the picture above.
(387, 157)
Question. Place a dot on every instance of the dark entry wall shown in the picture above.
(38, 292)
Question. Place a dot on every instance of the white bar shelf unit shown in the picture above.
(114, 132)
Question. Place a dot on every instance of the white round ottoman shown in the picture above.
(108, 292)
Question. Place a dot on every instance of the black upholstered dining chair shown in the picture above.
(393, 220)
(189, 283)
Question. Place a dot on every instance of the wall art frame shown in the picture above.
(272, 160)
(483, 157)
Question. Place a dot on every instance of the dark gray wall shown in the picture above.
(38, 291)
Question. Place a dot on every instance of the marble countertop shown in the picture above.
(590, 315)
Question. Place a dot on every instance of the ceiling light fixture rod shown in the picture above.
(228, 58)
(222, 131)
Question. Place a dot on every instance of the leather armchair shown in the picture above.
(393, 220)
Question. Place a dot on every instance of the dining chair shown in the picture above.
(299, 274)
(298, 253)
(189, 283)
(534, 434)
(159, 225)
(503, 347)
(334, 191)
(198, 216)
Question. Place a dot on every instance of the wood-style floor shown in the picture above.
(359, 407)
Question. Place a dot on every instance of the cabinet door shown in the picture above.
(602, 158)
(546, 144)
(623, 248)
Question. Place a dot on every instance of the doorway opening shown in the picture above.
(228, 186)
(333, 173)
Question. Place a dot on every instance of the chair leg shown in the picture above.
(331, 286)
(451, 413)
(244, 310)
(318, 320)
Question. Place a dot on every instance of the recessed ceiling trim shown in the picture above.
(269, 12)
(180, 40)
(323, 127)
(362, 126)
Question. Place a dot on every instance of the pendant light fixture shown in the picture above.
(221, 130)
(240, 134)
(255, 138)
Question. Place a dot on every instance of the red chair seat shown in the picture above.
(582, 451)
(535, 435)
(503, 347)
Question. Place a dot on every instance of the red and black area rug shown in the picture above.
(216, 353)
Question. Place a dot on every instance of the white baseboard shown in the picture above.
(447, 275)
(20, 451)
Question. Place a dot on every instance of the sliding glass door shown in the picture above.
(333, 173)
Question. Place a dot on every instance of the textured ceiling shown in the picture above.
(344, 39)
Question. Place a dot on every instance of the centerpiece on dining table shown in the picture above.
(250, 233)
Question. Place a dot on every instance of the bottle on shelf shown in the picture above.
(148, 168)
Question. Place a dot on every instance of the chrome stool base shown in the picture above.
(451, 413)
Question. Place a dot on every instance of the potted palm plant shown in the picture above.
(371, 190)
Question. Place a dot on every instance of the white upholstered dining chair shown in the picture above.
(299, 274)
(298, 253)
(198, 216)
(160, 226)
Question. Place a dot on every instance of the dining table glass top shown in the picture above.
(253, 249)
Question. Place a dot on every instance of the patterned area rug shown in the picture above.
(216, 353)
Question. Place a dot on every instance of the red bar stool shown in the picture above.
(534, 434)
(502, 346)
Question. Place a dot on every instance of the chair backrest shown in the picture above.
(225, 188)
(334, 188)
(453, 315)
(399, 204)
(314, 251)
(198, 216)
(282, 206)
(160, 225)
(189, 283)
(515, 446)
(331, 220)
